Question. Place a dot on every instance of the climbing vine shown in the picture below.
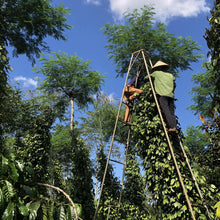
(160, 173)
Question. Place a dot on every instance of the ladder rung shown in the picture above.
(116, 161)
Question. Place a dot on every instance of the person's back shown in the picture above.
(164, 83)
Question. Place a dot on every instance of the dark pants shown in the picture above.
(168, 108)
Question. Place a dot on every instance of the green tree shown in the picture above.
(203, 92)
(24, 25)
(4, 68)
(139, 32)
(111, 189)
(134, 191)
(206, 97)
(12, 113)
(203, 153)
(81, 182)
(61, 148)
(212, 37)
(16, 189)
(96, 127)
(205, 105)
(71, 80)
(196, 140)
(36, 144)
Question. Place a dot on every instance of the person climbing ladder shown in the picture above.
(131, 92)
(164, 84)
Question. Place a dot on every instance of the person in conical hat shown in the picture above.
(164, 85)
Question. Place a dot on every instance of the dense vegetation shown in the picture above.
(51, 170)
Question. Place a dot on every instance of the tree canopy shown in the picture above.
(69, 77)
(26, 24)
(141, 32)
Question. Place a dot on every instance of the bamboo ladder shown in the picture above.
(140, 55)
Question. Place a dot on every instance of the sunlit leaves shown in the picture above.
(8, 190)
(217, 207)
(23, 209)
(9, 212)
(61, 213)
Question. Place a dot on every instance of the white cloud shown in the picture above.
(94, 2)
(27, 82)
(165, 9)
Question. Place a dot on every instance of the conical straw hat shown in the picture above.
(159, 63)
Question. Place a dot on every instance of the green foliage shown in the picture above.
(98, 124)
(204, 92)
(60, 157)
(196, 140)
(134, 187)
(207, 98)
(35, 145)
(26, 124)
(217, 207)
(81, 183)
(12, 194)
(69, 77)
(4, 68)
(160, 174)
(26, 24)
(132, 212)
(111, 189)
(205, 151)
(133, 194)
(139, 32)
(212, 37)
(108, 210)
(20, 198)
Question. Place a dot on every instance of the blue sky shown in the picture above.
(85, 39)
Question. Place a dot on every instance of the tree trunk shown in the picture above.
(73, 138)
(72, 115)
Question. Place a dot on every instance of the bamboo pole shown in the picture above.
(169, 143)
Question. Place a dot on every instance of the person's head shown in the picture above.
(159, 65)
